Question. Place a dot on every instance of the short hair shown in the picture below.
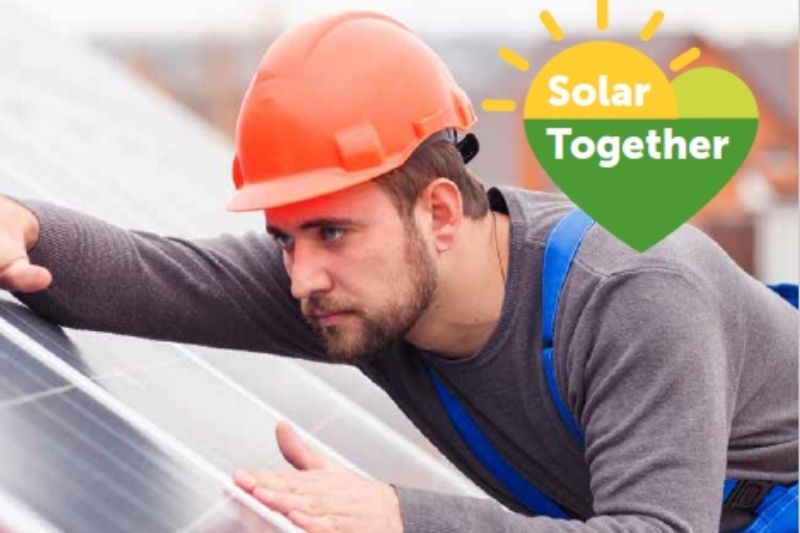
(432, 160)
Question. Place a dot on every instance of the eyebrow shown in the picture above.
(316, 223)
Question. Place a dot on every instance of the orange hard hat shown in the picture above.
(338, 101)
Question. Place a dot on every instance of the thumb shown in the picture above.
(22, 276)
(296, 451)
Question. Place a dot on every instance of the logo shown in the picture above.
(640, 154)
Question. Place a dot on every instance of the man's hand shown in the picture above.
(321, 496)
(19, 231)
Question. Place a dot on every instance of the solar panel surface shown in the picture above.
(81, 461)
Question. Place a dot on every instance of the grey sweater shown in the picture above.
(679, 367)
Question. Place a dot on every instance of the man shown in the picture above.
(385, 253)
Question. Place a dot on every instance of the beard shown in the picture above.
(365, 335)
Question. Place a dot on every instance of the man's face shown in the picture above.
(363, 274)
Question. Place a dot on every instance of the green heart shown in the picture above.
(641, 201)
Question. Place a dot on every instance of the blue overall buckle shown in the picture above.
(748, 494)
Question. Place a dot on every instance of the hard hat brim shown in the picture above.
(260, 195)
(299, 187)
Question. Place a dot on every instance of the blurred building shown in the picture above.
(755, 217)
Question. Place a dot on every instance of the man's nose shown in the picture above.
(308, 272)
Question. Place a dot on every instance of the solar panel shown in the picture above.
(80, 131)
(85, 462)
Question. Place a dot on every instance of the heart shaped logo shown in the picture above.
(638, 154)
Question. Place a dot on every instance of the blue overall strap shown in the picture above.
(481, 447)
(727, 488)
(787, 291)
(777, 512)
(562, 245)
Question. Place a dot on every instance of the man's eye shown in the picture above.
(284, 241)
(331, 234)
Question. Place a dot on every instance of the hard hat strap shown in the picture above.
(467, 147)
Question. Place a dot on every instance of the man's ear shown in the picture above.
(441, 202)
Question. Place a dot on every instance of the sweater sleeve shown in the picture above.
(653, 412)
(228, 291)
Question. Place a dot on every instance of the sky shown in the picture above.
(730, 21)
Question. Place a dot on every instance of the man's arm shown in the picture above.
(226, 291)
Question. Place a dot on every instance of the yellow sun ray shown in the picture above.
(514, 59)
(652, 25)
(498, 104)
(684, 59)
(602, 14)
(551, 25)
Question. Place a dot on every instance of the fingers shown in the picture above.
(277, 480)
(245, 480)
(21, 276)
(285, 492)
(249, 480)
(323, 500)
(18, 229)
(312, 524)
(295, 451)
(284, 502)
